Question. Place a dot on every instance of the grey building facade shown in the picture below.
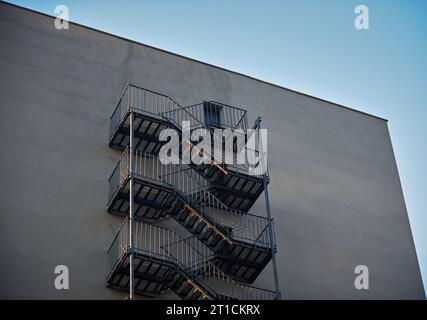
(335, 192)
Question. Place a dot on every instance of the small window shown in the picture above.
(212, 114)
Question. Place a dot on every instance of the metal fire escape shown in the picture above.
(228, 246)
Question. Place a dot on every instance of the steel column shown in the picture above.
(131, 196)
(265, 178)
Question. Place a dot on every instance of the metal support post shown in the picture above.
(131, 195)
(265, 178)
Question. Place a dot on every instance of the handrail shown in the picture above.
(179, 108)
(140, 99)
(120, 100)
(164, 106)
(217, 102)
(228, 116)
(193, 188)
(167, 245)
(117, 234)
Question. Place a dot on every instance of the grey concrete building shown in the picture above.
(335, 193)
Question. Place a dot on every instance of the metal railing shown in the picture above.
(259, 165)
(164, 108)
(119, 174)
(153, 104)
(220, 115)
(241, 226)
(143, 100)
(190, 255)
(119, 247)
(192, 187)
(199, 115)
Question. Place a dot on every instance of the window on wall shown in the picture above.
(212, 114)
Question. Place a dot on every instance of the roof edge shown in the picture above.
(195, 60)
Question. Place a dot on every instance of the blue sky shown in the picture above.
(309, 46)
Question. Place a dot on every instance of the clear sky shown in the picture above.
(307, 45)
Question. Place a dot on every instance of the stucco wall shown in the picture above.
(335, 191)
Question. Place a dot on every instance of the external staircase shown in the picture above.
(229, 246)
